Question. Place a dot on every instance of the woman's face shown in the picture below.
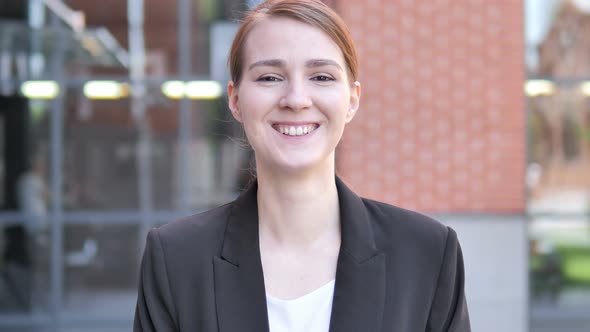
(295, 96)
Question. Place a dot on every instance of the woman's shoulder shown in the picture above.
(396, 224)
(199, 231)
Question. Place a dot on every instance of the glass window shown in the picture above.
(101, 264)
(25, 222)
(219, 155)
(100, 164)
(558, 172)
(119, 171)
(24, 270)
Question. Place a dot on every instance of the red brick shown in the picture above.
(442, 105)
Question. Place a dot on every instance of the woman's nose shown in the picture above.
(296, 97)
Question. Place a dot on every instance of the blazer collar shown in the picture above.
(359, 293)
(241, 235)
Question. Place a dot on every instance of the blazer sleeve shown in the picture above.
(449, 307)
(155, 308)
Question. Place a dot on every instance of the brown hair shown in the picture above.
(312, 12)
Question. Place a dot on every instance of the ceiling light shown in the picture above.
(534, 88)
(173, 89)
(105, 90)
(40, 89)
(203, 89)
(192, 89)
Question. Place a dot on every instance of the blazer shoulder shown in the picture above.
(202, 231)
(393, 224)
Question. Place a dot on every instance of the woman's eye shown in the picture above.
(322, 78)
(268, 79)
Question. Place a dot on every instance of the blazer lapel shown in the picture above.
(239, 283)
(359, 293)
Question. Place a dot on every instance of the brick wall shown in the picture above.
(441, 123)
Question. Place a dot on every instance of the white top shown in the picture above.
(308, 313)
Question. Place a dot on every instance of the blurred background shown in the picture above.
(113, 120)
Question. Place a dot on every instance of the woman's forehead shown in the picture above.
(289, 40)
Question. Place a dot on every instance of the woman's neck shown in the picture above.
(298, 211)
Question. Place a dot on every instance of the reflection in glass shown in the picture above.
(100, 269)
(560, 262)
(100, 163)
(559, 152)
(558, 173)
(24, 270)
(219, 157)
(24, 232)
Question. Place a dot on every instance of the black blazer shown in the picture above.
(397, 271)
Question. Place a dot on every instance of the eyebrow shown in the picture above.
(268, 63)
(322, 62)
(282, 63)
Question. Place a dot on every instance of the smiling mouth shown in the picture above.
(289, 130)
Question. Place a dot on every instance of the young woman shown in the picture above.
(299, 251)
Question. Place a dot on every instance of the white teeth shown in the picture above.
(295, 131)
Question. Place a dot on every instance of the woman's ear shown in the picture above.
(355, 98)
(232, 93)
